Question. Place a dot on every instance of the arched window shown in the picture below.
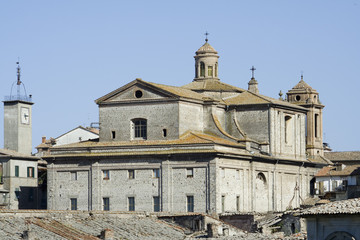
(202, 69)
(287, 128)
(140, 128)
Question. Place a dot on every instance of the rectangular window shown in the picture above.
(73, 203)
(222, 172)
(131, 174)
(73, 176)
(190, 203)
(113, 135)
(238, 203)
(223, 203)
(156, 204)
(156, 173)
(30, 172)
(189, 172)
(140, 128)
(210, 71)
(131, 203)
(16, 171)
(106, 203)
(106, 174)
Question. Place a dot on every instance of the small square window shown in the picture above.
(106, 174)
(131, 174)
(156, 173)
(73, 176)
(189, 172)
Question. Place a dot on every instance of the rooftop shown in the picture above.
(350, 206)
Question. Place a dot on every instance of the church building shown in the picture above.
(204, 147)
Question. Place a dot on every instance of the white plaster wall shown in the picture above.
(74, 136)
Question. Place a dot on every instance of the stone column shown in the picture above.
(51, 187)
(213, 187)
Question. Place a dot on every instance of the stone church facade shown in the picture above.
(203, 147)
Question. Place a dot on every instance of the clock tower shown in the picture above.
(17, 119)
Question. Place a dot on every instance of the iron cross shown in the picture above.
(253, 70)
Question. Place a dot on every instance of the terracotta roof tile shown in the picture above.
(343, 156)
(331, 171)
(350, 206)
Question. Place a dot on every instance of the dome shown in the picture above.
(206, 48)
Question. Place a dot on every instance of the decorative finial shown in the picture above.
(253, 70)
(206, 34)
(280, 95)
(18, 72)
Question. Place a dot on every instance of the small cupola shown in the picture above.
(206, 62)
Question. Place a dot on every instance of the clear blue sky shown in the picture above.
(73, 52)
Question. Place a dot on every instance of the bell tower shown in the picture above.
(305, 96)
(206, 62)
(17, 118)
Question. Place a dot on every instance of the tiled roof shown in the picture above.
(350, 206)
(343, 156)
(249, 98)
(14, 154)
(320, 159)
(331, 171)
(212, 85)
(179, 91)
(185, 139)
(302, 85)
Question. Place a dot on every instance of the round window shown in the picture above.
(138, 94)
(297, 97)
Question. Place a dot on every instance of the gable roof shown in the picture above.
(169, 90)
(6, 153)
(250, 98)
(343, 156)
(328, 171)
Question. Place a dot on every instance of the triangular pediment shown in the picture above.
(139, 90)
(135, 91)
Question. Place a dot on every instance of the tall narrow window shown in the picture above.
(156, 200)
(202, 69)
(287, 129)
(106, 204)
(113, 134)
(156, 173)
(317, 125)
(16, 171)
(238, 203)
(210, 71)
(140, 128)
(223, 203)
(30, 172)
(131, 203)
(131, 173)
(106, 174)
(190, 203)
(73, 202)
(73, 176)
(216, 69)
(164, 132)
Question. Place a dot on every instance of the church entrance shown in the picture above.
(261, 193)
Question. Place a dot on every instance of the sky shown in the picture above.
(73, 52)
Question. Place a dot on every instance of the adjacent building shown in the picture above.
(204, 147)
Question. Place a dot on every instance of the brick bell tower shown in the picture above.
(305, 96)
